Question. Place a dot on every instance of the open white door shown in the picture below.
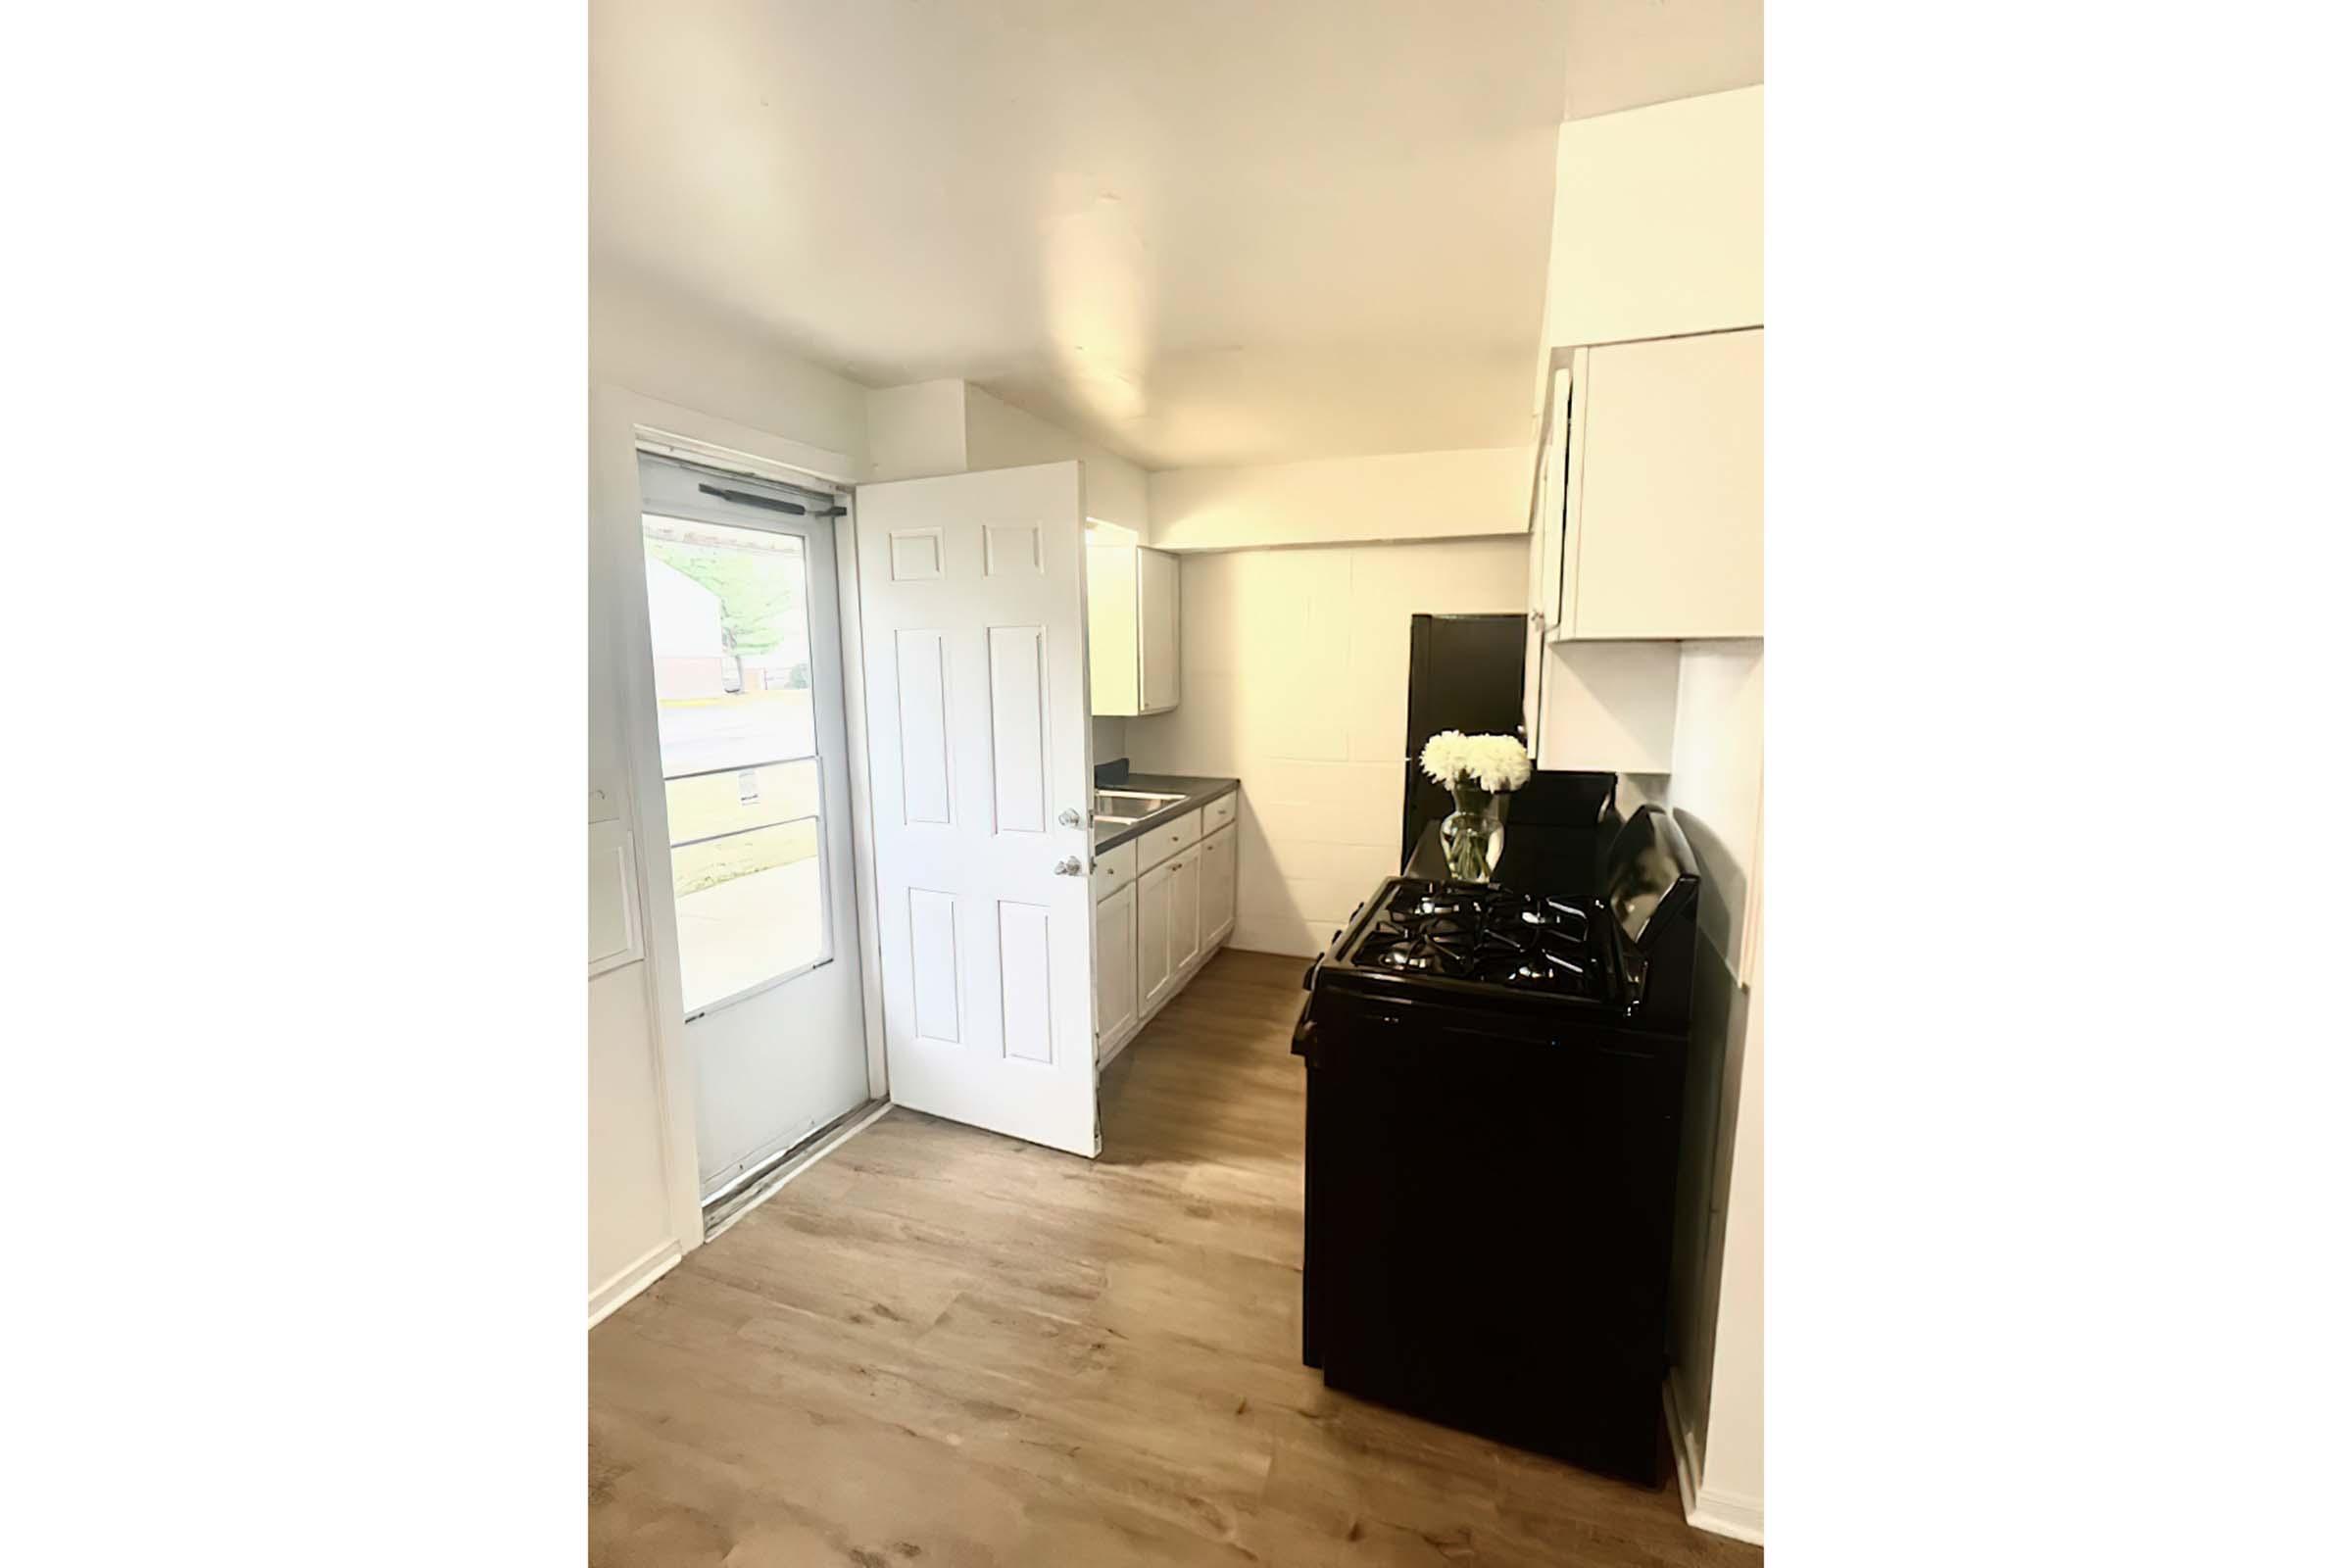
(974, 613)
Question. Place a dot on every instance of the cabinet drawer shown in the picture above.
(1219, 812)
(1114, 868)
(1163, 842)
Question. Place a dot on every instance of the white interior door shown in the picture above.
(743, 612)
(972, 589)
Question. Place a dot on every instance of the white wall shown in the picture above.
(998, 435)
(915, 432)
(1397, 495)
(723, 381)
(951, 426)
(1716, 793)
(1732, 1480)
(1718, 780)
(1295, 666)
(678, 353)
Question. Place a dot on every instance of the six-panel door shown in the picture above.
(971, 594)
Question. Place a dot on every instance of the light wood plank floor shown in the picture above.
(941, 1347)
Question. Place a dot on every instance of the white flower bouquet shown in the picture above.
(1495, 764)
(1479, 770)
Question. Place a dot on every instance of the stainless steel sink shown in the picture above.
(1122, 806)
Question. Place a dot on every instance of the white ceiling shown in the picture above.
(1198, 232)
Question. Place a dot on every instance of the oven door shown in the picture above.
(1488, 1226)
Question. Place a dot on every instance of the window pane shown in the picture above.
(728, 608)
(753, 797)
(751, 906)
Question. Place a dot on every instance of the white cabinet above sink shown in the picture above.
(1131, 609)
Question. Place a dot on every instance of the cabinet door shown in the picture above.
(1546, 549)
(1216, 886)
(1665, 521)
(1115, 994)
(1184, 908)
(1156, 613)
(1110, 629)
(1152, 971)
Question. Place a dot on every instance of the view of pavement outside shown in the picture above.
(738, 736)
(741, 932)
(698, 736)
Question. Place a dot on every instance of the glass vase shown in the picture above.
(1472, 834)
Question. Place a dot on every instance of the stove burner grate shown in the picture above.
(1524, 941)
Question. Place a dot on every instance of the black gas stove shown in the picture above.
(1625, 951)
(1552, 944)
(1494, 1082)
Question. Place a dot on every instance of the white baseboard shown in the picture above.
(1741, 1518)
(616, 1292)
(1717, 1512)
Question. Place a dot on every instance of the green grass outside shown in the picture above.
(699, 808)
(706, 865)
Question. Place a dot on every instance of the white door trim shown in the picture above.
(621, 422)
(861, 799)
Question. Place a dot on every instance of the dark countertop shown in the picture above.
(1196, 793)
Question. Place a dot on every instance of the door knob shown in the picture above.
(1070, 818)
(1069, 867)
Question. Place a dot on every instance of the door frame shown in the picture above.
(623, 423)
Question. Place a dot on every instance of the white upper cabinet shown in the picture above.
(1660, 527)
(1657, 224)
(1155, 635)
(1132, 604)
(1647, 495)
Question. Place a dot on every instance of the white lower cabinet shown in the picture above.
(1184, 909)
(1156, 929)
(1116, 1009)
(1217, 887)
(1155, 974)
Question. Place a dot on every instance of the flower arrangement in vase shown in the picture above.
(1480, 771)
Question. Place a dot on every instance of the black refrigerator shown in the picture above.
(1467, 674)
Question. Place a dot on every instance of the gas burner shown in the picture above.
(1541, 909)
(1436, 905)
(1460, 931)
